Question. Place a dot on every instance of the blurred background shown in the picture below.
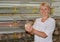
(15, 13)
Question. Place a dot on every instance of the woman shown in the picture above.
(43, 27)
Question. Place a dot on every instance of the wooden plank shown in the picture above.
(56, 14)
(56, 0)
(56, 10)
(55, 3)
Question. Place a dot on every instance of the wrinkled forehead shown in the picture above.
(43, 7)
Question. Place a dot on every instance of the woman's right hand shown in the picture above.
(28, 27)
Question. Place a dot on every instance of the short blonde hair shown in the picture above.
(45, 4)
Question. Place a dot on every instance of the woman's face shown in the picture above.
(44, 10)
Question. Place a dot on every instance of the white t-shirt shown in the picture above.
(47, 27)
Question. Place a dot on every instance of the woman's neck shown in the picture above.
(44, 18)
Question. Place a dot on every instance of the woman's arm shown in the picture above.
(39, 33)
(36, 32)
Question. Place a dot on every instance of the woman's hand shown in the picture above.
(28, 27)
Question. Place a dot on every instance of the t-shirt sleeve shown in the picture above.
(49, 28)
(35, 24)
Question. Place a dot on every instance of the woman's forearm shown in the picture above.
(39, 33)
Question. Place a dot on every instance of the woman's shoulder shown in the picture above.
(52, 19)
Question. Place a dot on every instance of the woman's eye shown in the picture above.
(45, 9)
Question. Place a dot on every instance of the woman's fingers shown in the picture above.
(28, 27)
